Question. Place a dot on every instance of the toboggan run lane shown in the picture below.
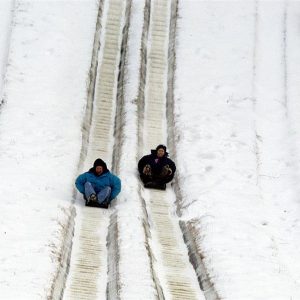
(88, 269)
(91, 273)
(177, 276)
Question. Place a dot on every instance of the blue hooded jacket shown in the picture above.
(99, 181)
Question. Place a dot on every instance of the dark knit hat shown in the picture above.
(100, 162)
(161, 147)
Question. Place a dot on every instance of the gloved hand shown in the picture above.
(166, 171)
(147, 170)
(169, 170)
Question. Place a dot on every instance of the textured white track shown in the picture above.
(175, 273)
(88, 270)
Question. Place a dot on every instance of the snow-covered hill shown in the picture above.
(233, 131)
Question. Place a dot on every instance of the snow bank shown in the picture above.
(40, 138)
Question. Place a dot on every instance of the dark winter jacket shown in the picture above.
(99, 182)
(156, 167)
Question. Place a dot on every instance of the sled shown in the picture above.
(155, 185)
(96, 204)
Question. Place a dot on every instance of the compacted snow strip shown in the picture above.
(88, 269)
(40, 139)
(174, 271)
(6, 19)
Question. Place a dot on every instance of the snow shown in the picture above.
(5, 29)
(130, 214)
(237, 138)
(239, 178)
(40, 138)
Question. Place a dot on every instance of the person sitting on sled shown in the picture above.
(98, 186)
(156, 169)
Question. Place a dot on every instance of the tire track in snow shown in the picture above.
(88, 269)
(171, 265)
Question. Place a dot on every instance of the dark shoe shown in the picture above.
(161, 186)
(155, 185)
(92, 198)
(149, 184)
(104, 204)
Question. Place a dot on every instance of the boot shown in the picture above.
(155, 185)
(92, 198)
(104, 204)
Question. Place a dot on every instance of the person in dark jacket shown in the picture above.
(98, 186)
(156, 169)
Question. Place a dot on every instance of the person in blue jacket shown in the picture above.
(98, 186)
